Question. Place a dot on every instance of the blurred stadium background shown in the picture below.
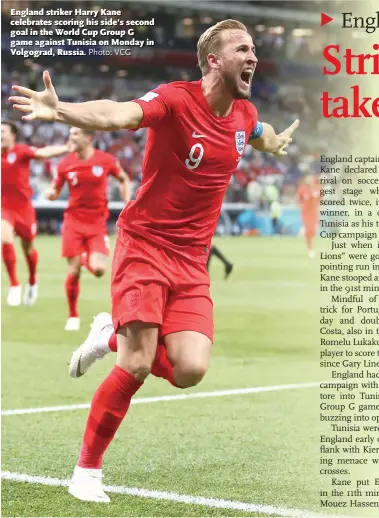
(286, 86)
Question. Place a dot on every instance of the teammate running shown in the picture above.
(18, 215)
(160, 286)
(308, 196)
(85, 220)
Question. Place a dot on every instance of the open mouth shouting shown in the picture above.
(247, 76)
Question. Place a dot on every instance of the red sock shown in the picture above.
(112, 342)
(72, 293)
(309, 239)
(9, 258)
(108, 408)
(32, 260)
(162, 367)
(84, 261)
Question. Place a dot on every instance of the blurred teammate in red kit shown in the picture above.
(84, 232)
(18, 215)
(308, 196)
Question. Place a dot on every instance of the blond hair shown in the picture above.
(209, 41)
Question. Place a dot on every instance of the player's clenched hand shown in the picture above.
(285, 138)
(37, 105)
(51, 194)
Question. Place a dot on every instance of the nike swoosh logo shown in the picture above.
(195, 135)
(78, 372)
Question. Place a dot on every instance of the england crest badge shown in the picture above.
(97, 170)
(240, 141)
(11, 158)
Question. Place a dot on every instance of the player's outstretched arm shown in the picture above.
(46, 152)
(269, 141)
(91, 115)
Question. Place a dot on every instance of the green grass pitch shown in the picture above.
(259, 448)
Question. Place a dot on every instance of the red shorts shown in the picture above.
(157, 285)
(310, 222)
(78, 237)
(23, 221)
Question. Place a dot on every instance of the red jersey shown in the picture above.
(190, 156)
(16, 191)
(88, 184)
(309, 198)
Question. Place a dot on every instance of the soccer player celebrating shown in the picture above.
(85, 220)
(308, 196)
(18, 215)
(160, 286)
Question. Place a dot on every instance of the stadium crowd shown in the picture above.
(172, 29)
(278, 100)
(255, 172)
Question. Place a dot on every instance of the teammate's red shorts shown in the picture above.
(157, 285)
(23, 220)
(79, 237)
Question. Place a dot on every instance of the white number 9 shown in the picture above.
(193, 161)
